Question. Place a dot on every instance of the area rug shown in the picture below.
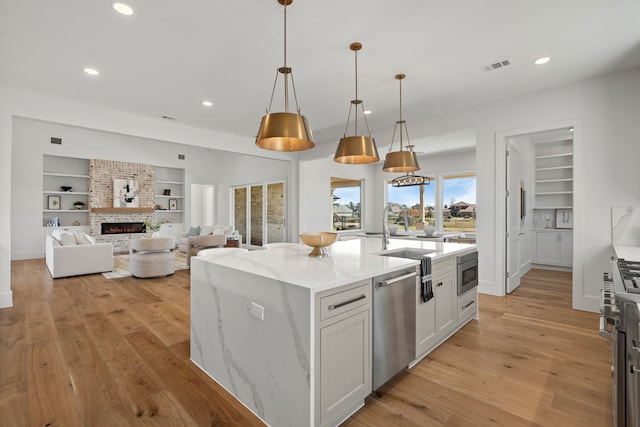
(121, 265)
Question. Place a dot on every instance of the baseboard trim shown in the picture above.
(6, 299)
(16, 256)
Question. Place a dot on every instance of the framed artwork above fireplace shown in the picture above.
(125, 193)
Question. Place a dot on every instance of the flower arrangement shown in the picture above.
(152, 226)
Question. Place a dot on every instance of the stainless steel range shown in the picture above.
(620, 323)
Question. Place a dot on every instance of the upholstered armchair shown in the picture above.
(152, 257)
(197, 243)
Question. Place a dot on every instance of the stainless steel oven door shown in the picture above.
(467, 277)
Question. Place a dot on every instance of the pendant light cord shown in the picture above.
(400, 122)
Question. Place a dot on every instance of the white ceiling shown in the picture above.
(169, 56)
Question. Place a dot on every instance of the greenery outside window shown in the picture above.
(346, 204)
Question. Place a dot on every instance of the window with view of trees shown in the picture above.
(418, 201)
(346, 197)
(456, 210)
(459, 198)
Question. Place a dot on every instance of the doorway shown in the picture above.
(538, 182)
(259, 213)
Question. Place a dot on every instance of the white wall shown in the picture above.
(315, 193)
(6, 299)
(31, 140)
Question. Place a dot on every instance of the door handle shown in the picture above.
(397, 279)
(342, 304)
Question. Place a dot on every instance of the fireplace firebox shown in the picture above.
(122, 227)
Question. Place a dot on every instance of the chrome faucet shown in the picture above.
(385, 227)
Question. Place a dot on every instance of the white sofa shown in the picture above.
(75, 260)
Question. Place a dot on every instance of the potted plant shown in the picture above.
(154, 227)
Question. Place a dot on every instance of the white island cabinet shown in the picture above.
(445, 313)
(288, 335)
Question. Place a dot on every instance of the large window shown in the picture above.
(346, 198)
(419, 202)
(459, 203)
(449, 203)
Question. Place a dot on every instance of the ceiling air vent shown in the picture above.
(496, 65)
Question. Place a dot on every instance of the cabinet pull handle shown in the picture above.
(468, 305)
(439, 284)
(397, 279)
(342, 304)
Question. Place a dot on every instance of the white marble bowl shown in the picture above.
(393, 229)
(429, 230)
(319, 242)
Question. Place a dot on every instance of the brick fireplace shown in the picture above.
(101, 175)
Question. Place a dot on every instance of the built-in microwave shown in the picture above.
(467, 276)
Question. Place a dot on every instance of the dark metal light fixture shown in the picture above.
(401, 161)
(285, 131)
(356, 149)
(410, 179)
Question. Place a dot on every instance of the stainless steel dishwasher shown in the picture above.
(394, 323)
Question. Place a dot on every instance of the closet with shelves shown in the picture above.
(553, 196)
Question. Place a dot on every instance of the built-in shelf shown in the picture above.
(65, 175)
(159, 181)
(169, 197)
(553, 180)
(122, 210)
(550, 193)
(554, 168)
(66, 210)
(553, 156)
(169, 211)
(540, 181)
(77, 193)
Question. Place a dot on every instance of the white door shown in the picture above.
(513, 218)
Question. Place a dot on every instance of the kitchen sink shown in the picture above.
(410, 253)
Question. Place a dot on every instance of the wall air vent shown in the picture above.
(496, 65)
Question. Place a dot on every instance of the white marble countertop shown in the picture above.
(627, 252)
(349, 261)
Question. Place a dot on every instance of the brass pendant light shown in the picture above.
(284, 131)
(401, 161)
(357, 149)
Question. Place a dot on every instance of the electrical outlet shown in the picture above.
(257, 311)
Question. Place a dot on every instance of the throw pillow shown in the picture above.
(206, 229)
(83, 238)
(65, 238)
(194, 231)
(217, 230)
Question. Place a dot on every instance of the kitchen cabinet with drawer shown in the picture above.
(343, 352)
(436, 318)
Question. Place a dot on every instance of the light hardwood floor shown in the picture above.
(87, 351)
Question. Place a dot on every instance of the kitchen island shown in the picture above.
(289, 335)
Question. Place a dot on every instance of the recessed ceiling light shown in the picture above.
(542, 60)
(207, 103)
(366, 112)
(123, 8)
(91, 71)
